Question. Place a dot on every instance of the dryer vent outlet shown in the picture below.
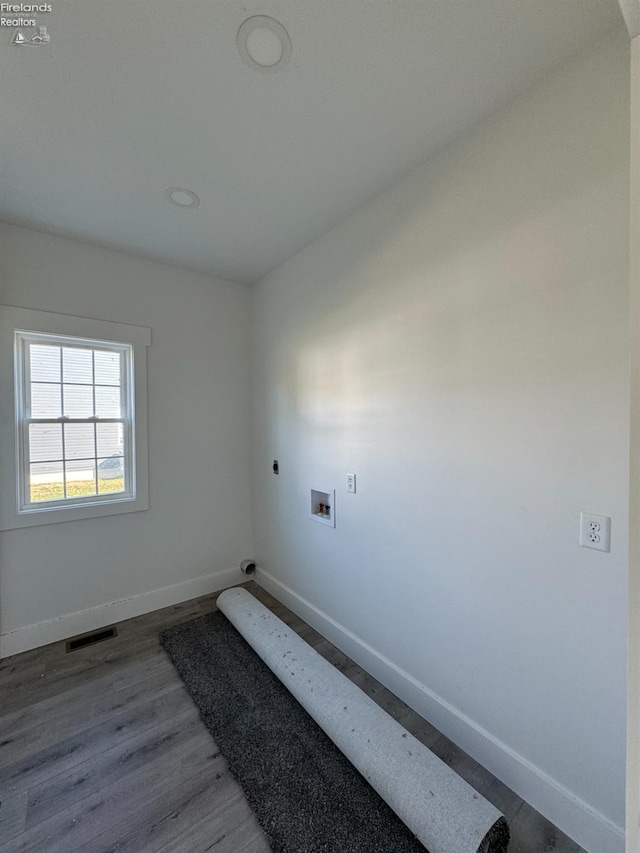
(248, 567)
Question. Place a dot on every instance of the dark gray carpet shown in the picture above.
(307, 796)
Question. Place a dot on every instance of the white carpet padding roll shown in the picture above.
(445, 813)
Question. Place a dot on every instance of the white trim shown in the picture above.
(42, 633)
(51, 323)
(576, 818)
(631, 13)
(48, 323)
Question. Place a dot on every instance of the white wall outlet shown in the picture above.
(595, 531)
(351, 483)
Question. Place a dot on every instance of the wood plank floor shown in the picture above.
(102, 750)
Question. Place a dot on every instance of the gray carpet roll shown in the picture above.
(445, 813)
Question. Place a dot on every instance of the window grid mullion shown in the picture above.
(95, 450)
(77, 384)
(64, 462)
(95, 414)
(93, 380)
(88, 420)
(51, 461)
(62, 412)
(61, 382)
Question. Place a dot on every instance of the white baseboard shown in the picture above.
(42, 633)
(591, 829)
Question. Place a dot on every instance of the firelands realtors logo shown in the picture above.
(27, 31)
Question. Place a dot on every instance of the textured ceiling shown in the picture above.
(133, 96)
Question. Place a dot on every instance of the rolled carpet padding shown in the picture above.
(445, 813)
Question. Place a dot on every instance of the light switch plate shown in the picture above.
(595, 531)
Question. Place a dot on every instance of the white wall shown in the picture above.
(461, 344)
(198, 527)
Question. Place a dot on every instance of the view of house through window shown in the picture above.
(75, 420)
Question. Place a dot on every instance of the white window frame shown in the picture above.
(24, 418)
(18, 328)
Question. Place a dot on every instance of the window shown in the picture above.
(80, 418)
(74, 409)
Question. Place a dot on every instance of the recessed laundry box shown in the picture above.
(322, 507)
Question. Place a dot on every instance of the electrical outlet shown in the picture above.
(595, 531)
(351, 483)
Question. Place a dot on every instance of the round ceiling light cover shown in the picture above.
(264, 44)
(181, 197)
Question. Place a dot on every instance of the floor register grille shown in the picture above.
(91, 639)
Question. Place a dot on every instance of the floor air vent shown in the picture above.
(89, 639)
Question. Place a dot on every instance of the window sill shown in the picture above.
(57, 514)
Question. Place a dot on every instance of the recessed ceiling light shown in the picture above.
(264, 44)
(181, 197)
